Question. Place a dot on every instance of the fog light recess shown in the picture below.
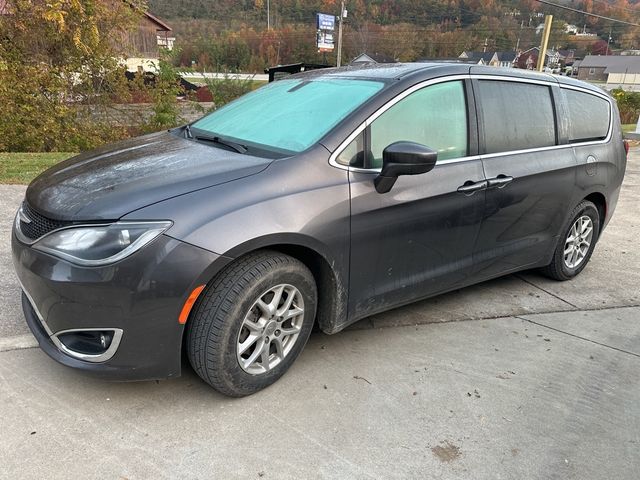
(92, 345)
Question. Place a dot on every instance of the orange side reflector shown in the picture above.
(188, 305)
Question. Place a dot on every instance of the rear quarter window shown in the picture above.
(589, 116)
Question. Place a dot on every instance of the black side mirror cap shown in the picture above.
(404, 158)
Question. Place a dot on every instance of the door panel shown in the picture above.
(531, 178)
(523, 217)
(416, 240)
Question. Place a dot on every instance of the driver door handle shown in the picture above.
(499, 181)
(470, 187)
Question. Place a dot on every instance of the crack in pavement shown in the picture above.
(578, 336)
(547, 292)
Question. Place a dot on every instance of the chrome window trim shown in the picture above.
(333, 157)
(102, 357)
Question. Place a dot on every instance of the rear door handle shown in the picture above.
(499, 181)
(470, 187)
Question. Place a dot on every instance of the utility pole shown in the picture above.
(268, 16)
(519, 34)
(343, 13)
(608, 41)
(486, 43)
(548, 19)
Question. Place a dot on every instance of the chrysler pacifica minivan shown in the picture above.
(322, 199)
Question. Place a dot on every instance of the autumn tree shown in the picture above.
(55, 55)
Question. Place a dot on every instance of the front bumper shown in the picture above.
(141, 296)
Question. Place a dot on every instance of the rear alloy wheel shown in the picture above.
(252, 322)
(576, 244)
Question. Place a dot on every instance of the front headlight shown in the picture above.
(96, 245)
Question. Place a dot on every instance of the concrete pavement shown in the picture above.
(542, 384)
(538, 397)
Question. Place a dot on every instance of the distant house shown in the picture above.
(615, 70)
(528, 59)
(478, 58)
(570, 29)
(372, 58)
(142, 45)
(492, 59)
(568, 57)
(504, 59)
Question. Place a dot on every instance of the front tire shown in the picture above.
(252, 323)
(576, 243)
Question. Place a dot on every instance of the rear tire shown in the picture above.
(576, 244)
(252, 322)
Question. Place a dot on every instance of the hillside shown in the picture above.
(232, 35)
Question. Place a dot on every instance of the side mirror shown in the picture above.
(404, 158)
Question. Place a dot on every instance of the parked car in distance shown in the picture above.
(326, 197)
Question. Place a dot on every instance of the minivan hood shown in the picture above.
(109, 182)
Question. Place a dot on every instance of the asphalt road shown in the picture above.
(521, 377)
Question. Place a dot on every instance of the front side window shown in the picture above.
(516, 116)
(435, 116)
(289, 115)
(353, 154)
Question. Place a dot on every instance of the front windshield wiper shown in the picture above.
(238, 147)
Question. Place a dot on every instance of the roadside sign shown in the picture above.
(325, 41)
(326, 25)
(325, 21)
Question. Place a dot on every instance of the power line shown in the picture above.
(564, 7)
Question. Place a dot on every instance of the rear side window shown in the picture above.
(589, 116)
(516, 116)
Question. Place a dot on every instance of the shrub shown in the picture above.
(628, 104)
(229, 87)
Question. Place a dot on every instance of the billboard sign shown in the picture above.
(326, 25)
(325, 41)
(325, 21)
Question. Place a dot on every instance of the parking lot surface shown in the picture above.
(520, 377)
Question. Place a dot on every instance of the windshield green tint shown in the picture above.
(288, 115)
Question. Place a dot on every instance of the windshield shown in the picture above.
(288, 115)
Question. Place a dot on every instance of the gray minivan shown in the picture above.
(319, 199)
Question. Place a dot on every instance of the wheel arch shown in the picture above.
(330, 281)
(600, 201)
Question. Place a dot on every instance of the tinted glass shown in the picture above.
(353, 155)
(435, 116)
(589, 116)
(289, 115)
(516, 116)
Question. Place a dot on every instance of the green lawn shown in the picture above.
(21, 168)
(628, 127)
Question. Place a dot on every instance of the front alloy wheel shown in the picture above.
(252, 322)
(270, 329)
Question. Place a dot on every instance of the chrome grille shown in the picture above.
(39, 225)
